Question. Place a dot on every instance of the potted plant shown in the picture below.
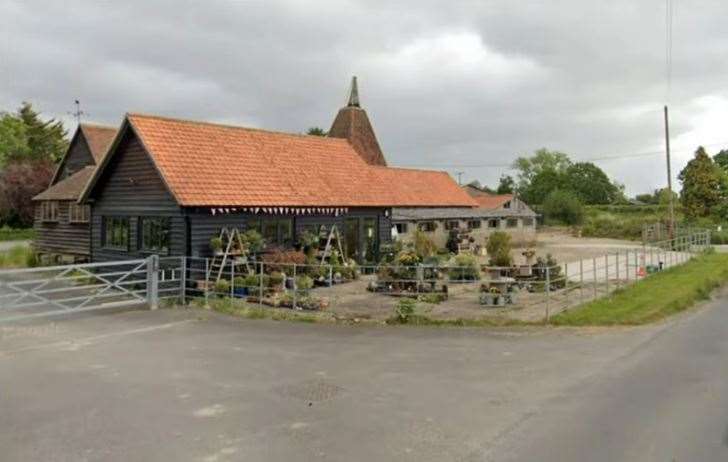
(276, 280)
(240, 289)
(304, 284)
(216, 245)
(222, 288)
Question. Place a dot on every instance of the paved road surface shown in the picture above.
(189, 385)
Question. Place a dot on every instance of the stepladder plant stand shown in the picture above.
(332, 242)
(233, 255)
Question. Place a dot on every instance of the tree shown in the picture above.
(703, 185)
(540, 174)
(19, 183)
(721, 159)
(25, 136)
(316, 131)
(564, 207)
(591, 184)
(506, 185)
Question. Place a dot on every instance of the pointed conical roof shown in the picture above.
(352, 124)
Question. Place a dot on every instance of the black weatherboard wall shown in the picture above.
(131, 187)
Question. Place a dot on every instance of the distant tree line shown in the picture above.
(30, 148)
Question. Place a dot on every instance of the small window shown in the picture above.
(527, 222)
(507, 205)
(512, 222)
(78, 213)
(427, 226)
(154, 235)
(452, 224)
(474, 224)
(49, 211)
(493, 223)
(401, 228)
(116, 233)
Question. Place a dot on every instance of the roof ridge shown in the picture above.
(95, 125)
(230, 126)
(410, 169)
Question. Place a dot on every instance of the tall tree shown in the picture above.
(591, 184)
(703, 185)
(540, 174)
(721, 159)
(506, 185)
(24, 136)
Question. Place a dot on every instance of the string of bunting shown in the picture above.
(335, 211)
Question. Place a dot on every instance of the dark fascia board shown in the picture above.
(74, 140)
(125, 126)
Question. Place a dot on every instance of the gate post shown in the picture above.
(153, 282)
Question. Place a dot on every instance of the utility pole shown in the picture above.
(671, 229)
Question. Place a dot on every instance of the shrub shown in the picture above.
(216, 244)
(405, 309)
(464, 267)
(239, 282)
(253, 241)
(433, 298)
(308, 241)
(222, 287)
(453, 240)
(253, 280)
(424, 247)
(499, 249)
(281, 260)
(276, 279)
(304, 283)
(563, 207)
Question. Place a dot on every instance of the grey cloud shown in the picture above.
(467, 82)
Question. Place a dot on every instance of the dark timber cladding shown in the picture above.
(130, 188)
(62, 227)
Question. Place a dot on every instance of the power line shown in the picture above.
(588, 159)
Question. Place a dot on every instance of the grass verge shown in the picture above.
(243, 309)
(20, 256)
(13, 234)
(653, 298)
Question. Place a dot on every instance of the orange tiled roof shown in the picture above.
(490, 201)
(206, 164)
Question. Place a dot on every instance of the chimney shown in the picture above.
(352, 124)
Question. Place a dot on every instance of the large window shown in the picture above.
(49, 211)
(78, 213)
(276, 231)
(493, 223)
(512, 222)
(452, 224)
(116, 233)
(154, 235)
(401, 228)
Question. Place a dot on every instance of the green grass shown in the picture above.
(240, 308)
(653, 298)
(12, 234)
(18, 257)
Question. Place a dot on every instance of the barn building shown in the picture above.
(62, 225)
(167, 186)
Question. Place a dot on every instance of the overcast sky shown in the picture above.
(459, 86)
